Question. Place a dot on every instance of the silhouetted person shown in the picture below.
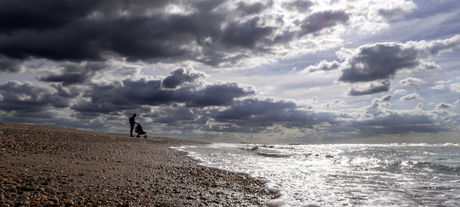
(132, 121)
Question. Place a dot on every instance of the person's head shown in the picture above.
(134, 115)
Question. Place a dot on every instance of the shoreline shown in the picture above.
(44, 165)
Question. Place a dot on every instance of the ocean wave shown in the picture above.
(275, 155)
(439, 168)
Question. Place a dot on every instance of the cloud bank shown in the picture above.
(97, 62)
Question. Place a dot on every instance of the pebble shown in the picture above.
(141, 172)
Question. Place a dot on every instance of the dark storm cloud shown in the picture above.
(175, 114)
(250, 115)
(372, 88)
(267, 112)
(40, 118)
(131, 94)
(28, 98)
(379, 61)
(210, 32)
(216, 94)
(116, 96)
(180, 76)
(245, 34)
(73, 73)
(377, 120)
(93, 29)
(9, 65)
(383, 60)
(88, 108)
(41, 14)
(398, 123)
(321, 20)
(66, 92)
(66, 79)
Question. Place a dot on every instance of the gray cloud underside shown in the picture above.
(321, 20)
(250, 115)
(191, 107)
(73, 73)
(383, 60)
(181, 76)
(131, 94)
(28, 98)
(210, 32)
(384, 121)
(255, 112)
(443, 105)
(381, 121)
(370, 89)
(9, 65)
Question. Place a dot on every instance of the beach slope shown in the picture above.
(44, 165)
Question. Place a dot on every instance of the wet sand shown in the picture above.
(52, 166)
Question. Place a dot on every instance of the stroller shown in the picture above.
(139, 131)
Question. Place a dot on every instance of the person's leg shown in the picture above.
(132, 127)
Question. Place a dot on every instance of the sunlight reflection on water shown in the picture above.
(336, 175)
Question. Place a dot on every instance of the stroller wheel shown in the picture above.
(145, 136)
(138, 136)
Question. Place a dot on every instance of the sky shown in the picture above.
(301, 71)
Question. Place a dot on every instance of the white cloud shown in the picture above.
(414, 82)
(410, 97)
(400, 91)
(438, 87)
(314, 89)
(335, 103)
(455, 87)
(441, 85)
(443, 105)
(324, 65)
(385, 98)
(391, 10)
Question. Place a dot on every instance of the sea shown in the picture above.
(343, 174)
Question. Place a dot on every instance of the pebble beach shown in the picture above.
(52, 166)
